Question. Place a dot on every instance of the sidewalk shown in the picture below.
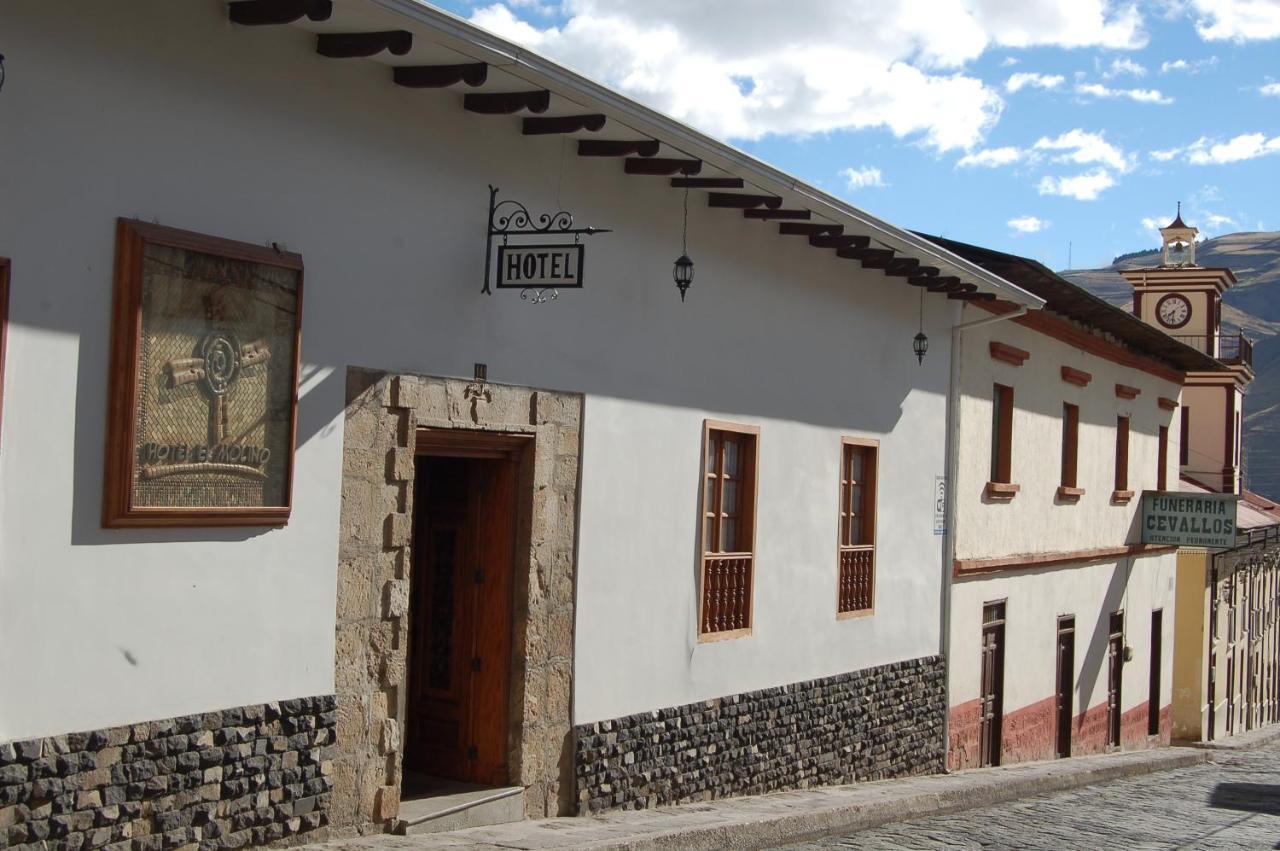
(783, 817)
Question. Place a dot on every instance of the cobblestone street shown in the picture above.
(1233, 802)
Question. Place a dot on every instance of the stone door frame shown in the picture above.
(383, 415)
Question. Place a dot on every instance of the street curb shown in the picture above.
(1240, 741)
(981, 788)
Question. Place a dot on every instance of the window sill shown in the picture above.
(1002, 490)
(1066, 494)
(855, 613)
(727, 635)
(1121, 497)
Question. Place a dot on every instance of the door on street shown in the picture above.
(1115, 671)
(1066, 682)
(992, 717)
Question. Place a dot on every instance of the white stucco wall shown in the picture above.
(1035, 601)
(163, 111)
(1034, 521)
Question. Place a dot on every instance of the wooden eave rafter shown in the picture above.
(618, 148)
(270, 12)
(563, 124)
(507, 103)
(364, 45)
(742, 200)
(662, 166)
(439, 76)
(640, 154)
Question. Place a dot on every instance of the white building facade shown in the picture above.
(1061, 620)
(638, 557)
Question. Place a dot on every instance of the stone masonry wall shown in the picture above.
(227, 779)
(867, 725)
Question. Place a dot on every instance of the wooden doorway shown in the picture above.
(1064, 705)
(992, 718)
(466, 506)
(1115, 672)
(1157, 652)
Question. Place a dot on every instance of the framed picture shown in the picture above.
(202, 412)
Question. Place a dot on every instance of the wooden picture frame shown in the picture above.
(4, 328)
(171, 366)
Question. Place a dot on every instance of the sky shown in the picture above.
(1063, 130)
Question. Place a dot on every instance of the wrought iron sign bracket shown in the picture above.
(535, 262)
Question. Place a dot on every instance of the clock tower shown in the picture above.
(1184, 300)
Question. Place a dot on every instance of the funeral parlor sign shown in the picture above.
(1189, 519)
(203, 400)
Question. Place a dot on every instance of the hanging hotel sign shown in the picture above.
(1189, 519)
(536, 258)
(203, 377)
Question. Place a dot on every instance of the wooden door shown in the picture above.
(460, 618)
(1115, 670)
(1065, 705)
(1153, 691)
(992, 717)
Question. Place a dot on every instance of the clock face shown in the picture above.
(1173, 311)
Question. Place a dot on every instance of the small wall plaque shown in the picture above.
(202, 410)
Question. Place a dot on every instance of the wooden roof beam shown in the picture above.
(876, 258)
(707, 182)
(972, 296)
(809, 229)
(902, 267)
(507, 103)
(663, 167)
(776, 214)
(562, 124)
(839, 241)
(616, 148)
(741, 201)
(438, 76)
(360, 45)
(260, 12)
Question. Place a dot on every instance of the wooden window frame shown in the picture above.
(1162, 458)
(4, 325)
(746, 517)
(870, 488)
(132, 236)
(1068, 486)
(1121, 494)
(1000, 485)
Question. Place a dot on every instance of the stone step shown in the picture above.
(461, 806)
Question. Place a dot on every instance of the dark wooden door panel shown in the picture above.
(1066, 660)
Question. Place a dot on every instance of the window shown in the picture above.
(728, 528)
(1184, 436)
(1122, 492)
(1162, 460)
(1001, 443)
(1070, 450)
(857, 557)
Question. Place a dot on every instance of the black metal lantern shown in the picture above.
(683, 274)
(683, 270)
(920, 344)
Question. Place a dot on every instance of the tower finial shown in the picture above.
(1179, 209)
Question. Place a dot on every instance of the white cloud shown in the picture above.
(1237, 20)
(1008, 61)
(1124, 66)
(904, 70)
(992, 157)
(1152, 224)
(1165, 155)
(1098, 90)
(860, 178)
(1022, 79)
(1028, 224)
(1082, 187)
(1084, 148)
(1216, 221)
(1270, 89)
(1246, 146)
(1194, 66)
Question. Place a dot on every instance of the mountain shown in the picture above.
(1252, 305)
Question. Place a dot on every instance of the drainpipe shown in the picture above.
(953, 467)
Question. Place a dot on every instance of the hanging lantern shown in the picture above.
(682, 272)
(920, 344)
